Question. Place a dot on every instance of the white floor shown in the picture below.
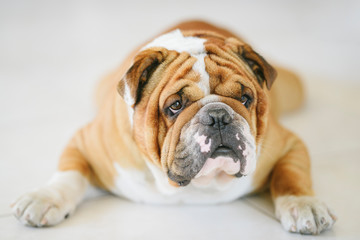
(52, 55)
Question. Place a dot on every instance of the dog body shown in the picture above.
(188, 118)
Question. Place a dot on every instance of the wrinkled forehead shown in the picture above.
(211, 58)
(176, 41)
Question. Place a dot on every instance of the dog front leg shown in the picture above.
(51, 204)
(291, 188)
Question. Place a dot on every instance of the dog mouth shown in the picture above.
(223, 165)
(224, 151)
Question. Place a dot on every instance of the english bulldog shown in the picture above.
(188, 118)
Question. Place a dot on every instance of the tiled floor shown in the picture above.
(51, 56)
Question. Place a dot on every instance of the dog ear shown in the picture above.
(263, 71)
(144, 64)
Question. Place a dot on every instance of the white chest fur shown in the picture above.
(151, 186)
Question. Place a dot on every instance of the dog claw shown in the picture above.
(44, 222)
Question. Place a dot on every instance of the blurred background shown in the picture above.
(52, 54)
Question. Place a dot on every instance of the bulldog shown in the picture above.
(188, 118)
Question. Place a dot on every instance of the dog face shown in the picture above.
(200, 105)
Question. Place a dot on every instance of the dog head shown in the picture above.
(200, 105)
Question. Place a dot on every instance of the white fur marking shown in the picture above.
(130, 111)
(199, 67)
(127, 95)
(176, 41)
(129, 102)
(204, 147)
(151, 186)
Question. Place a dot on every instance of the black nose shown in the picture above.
(217, 118)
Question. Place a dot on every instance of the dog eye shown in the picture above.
(175, 107)
(246, 100)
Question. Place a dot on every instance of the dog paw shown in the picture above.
(43, 207)
(305, 215)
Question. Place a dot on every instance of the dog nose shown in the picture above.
(217, 118)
